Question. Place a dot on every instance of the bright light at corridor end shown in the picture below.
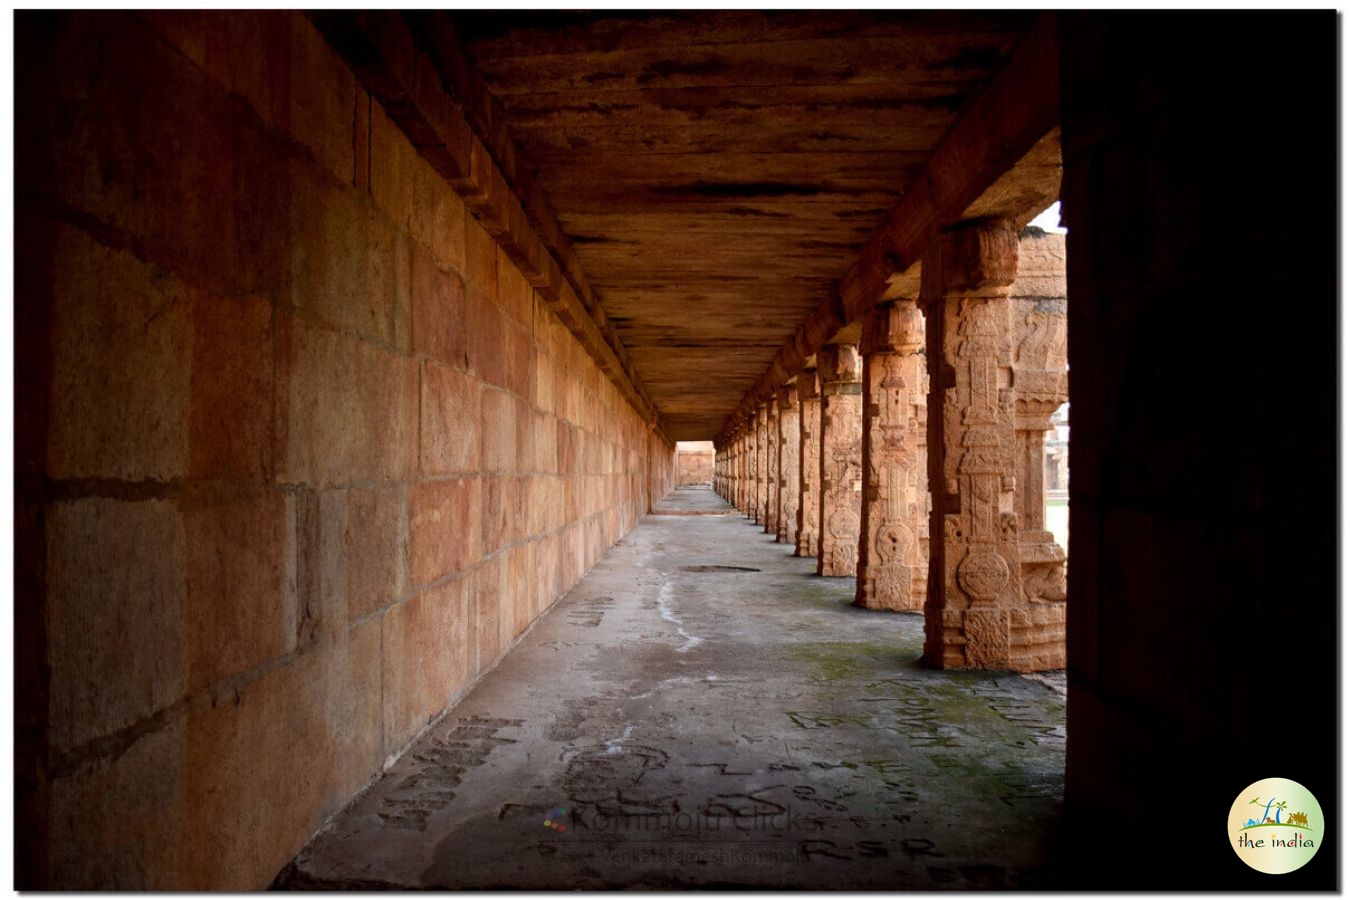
(1048, 220)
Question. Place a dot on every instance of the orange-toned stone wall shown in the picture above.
(694, 463)
(301, 451)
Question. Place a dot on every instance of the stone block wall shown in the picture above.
(299, 451)
(694, 462)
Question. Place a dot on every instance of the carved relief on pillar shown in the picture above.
(1040, 381)
(808, 501)
(978, 613)
(840, 370)
(789, 463)
(893, 544)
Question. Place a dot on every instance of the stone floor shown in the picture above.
(694, 500)
(704, 711)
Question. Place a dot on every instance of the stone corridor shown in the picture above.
(578, 449)
(703, 711)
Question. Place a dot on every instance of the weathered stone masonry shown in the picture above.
(308, 455)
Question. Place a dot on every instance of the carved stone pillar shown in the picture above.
(1040, 383)
(738, 470)
(808, 501)
(893, 546)
(733, 470)
(761, 465)
(743, 478)
(840, 370)
(751, 466)
(772, 498)
(789, 463)
(977, 614)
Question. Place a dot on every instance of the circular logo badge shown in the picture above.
(1276, 825)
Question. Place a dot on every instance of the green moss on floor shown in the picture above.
(842, 661)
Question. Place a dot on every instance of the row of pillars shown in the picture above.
(913, 461)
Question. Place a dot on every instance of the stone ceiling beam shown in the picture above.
(1001, 158)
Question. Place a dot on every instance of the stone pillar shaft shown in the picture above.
(762, 466)
(772, 498)
(743, 465)
(1040, 384)
(893, 544)
(752, 467)
(840, 370)
(977, 613)
(808, 461)
(789, 463)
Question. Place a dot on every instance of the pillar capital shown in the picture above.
(787, 397)
(971, 259)
(839, 364)
(895, 327)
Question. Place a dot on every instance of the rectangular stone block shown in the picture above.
(375, 541)
(428, 654)
(127, 807)
(480, 264)
(498, 511)
(345, 257)
(353, 556)
(536, 490)
(567, 448)
(438, 217)
(230, 429)
(240, 609)
(520, 362)
(253, 791)
(517, 610)
(514, 294)
(116, 582)
(192, 173)
(545, 443)
(547, 583)
(544, 377)
(438, 310)
(525, 435)
(572, 490)
(393, 164)
(573, 557)
(490, 584)
(322, 97)
(486, 341)
(498, 431)
(450, 415)
(346, 409)
(445, 527)
(281, 67)
(361, 151)
(120, 333)
(225, 46)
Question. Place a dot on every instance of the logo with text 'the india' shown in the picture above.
(1276, 825)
